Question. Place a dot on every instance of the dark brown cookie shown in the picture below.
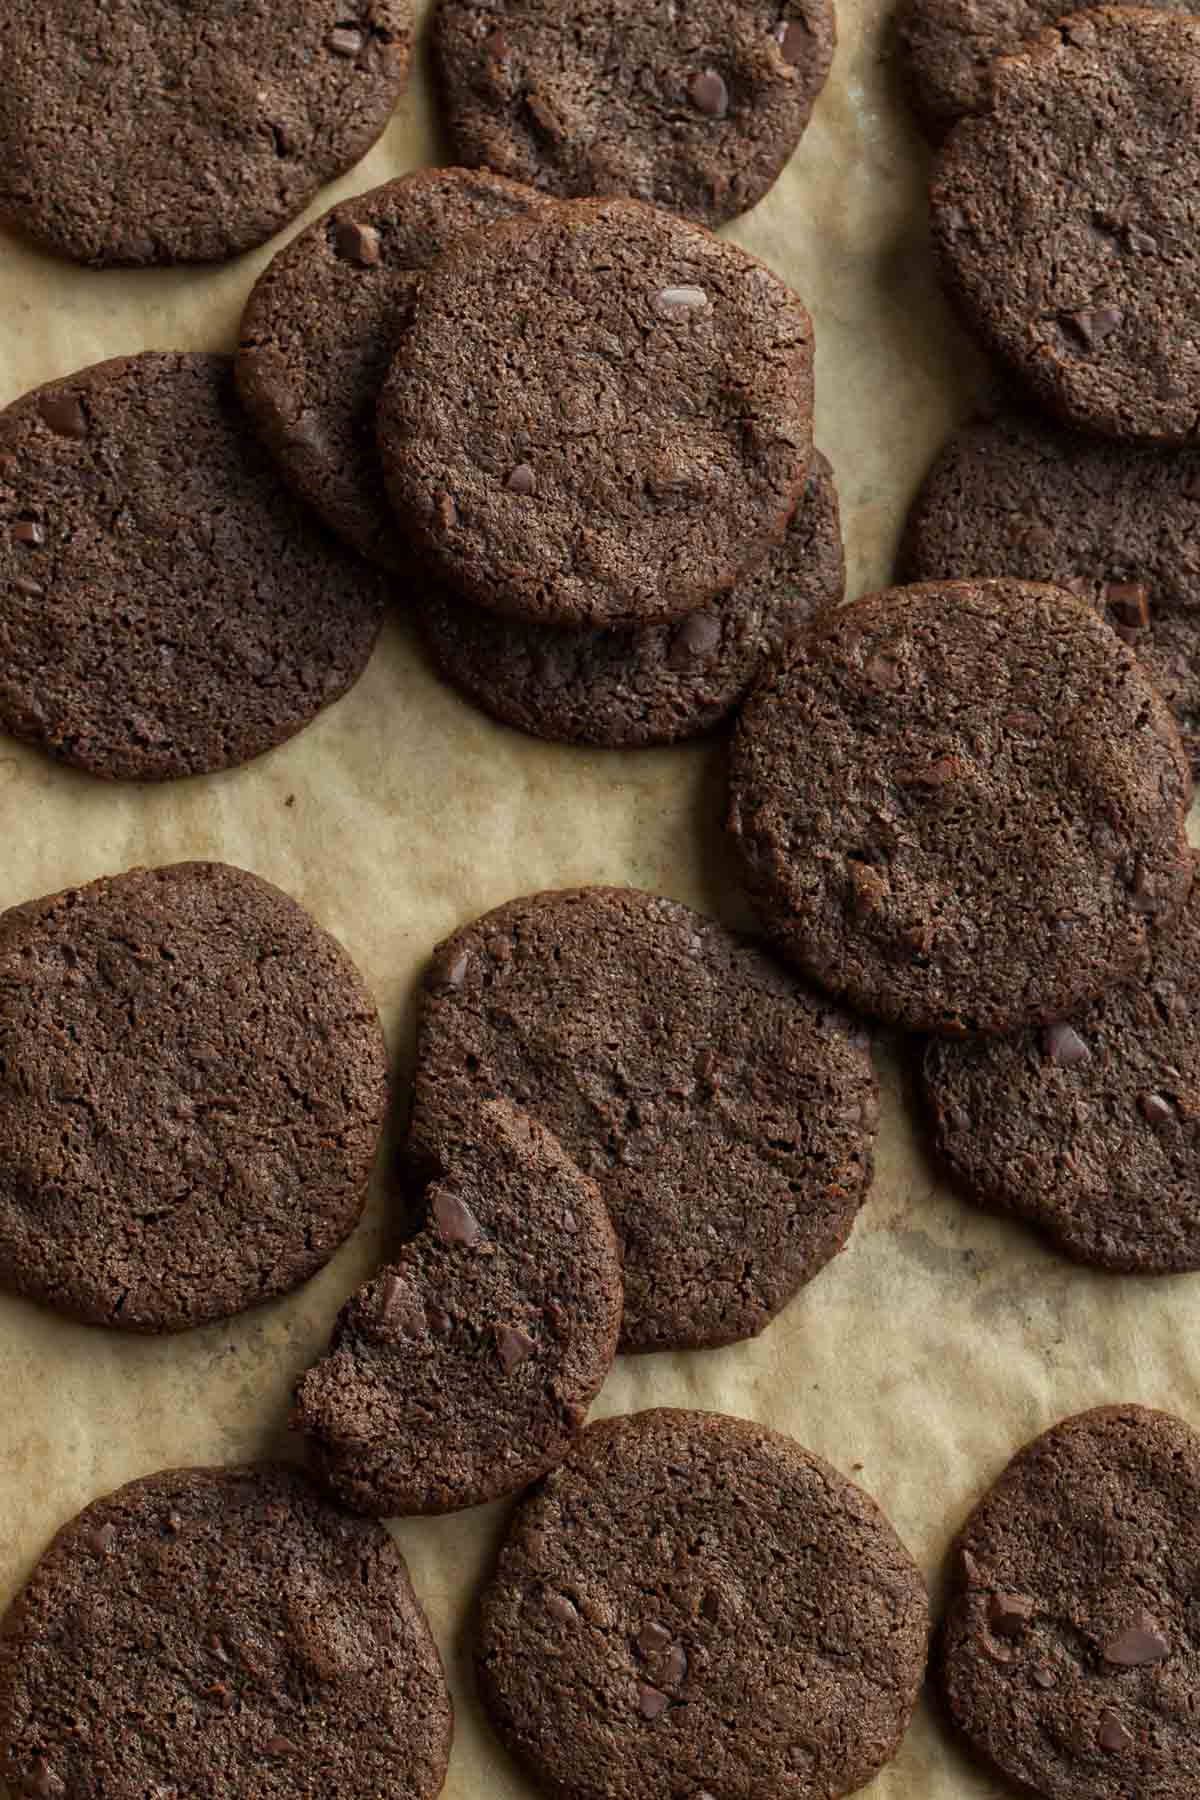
(466, 1370)
(192, 1085)
(152, 132)
(654, 685)
(726, 1113)
(166, 607)
(1069, 1652)
(696, 110)
(1087, 1129)
(1063, 220)
(948, 49)
(321, 327)
(599, 416)
(961, 806)
(1117, 524)
(694, 1606)
(222, 1632)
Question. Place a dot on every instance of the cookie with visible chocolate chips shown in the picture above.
(1068, 1654)
(465, 1370)
(193, 1081)
(658, 685)
(150, 132)
(961, 806)
(1087, 1129)
(694, 1605)
(598, 416)
(1117, 524)
(1063, 221)
(222, 1632)
(166, 607)
(695, 109)
(726, 1113)
(321, 327)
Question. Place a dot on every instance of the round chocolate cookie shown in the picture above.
(695, 109)
(598, 416)
(726, 1113)
(146, 131)
(657, 684)
(321, 327)
(466, 1370)
(166, 607)
(222, 1632)
(1117, 524)
(949, 47)
(192, 1085)
(962, 806)
(1069, 1653)
(694, 1606)
(1088, 1129)
(1063, 221)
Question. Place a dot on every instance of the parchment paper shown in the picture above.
(939, 1341)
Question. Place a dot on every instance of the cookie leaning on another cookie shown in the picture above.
(961, 806)
(223, 1632)
(600, 416)
(695, 110)
(465, 1370)
(658, 685)
(694, 1605)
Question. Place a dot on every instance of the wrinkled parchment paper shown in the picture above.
(940, 1340)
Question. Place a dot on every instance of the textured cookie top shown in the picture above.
(166, 607)
(961, 806)
(321, 327)
(694, 1605)
(695, 109)
(949, 49)
(221, 1632)
(625, 688)
(726, 1113)
(599, 416)
(1070, 1652)
(1117, 524)
(192, 1085)
(464, 1371)
(148, 131)
(1088, 1130)
(1063, 221)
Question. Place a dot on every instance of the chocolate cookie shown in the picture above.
(166, 607)
(599, 416)
(465, 1371)
(1063, 220)
(1086, 1129)
(192, 1085)
(961, 806)
(1115, 523)
(659, 683)
(1069, 1651)
(222, 1632)
(321, 327)
(696, 111)
(693, 1605)
(948, 49)
(727, 1114)
(151, 132)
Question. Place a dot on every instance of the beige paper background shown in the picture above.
(939, 1341)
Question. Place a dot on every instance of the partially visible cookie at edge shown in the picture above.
(465, 1369)
(229, 1630)
(625, 688)
(600, 416)
(321, 327)
(694, 111)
